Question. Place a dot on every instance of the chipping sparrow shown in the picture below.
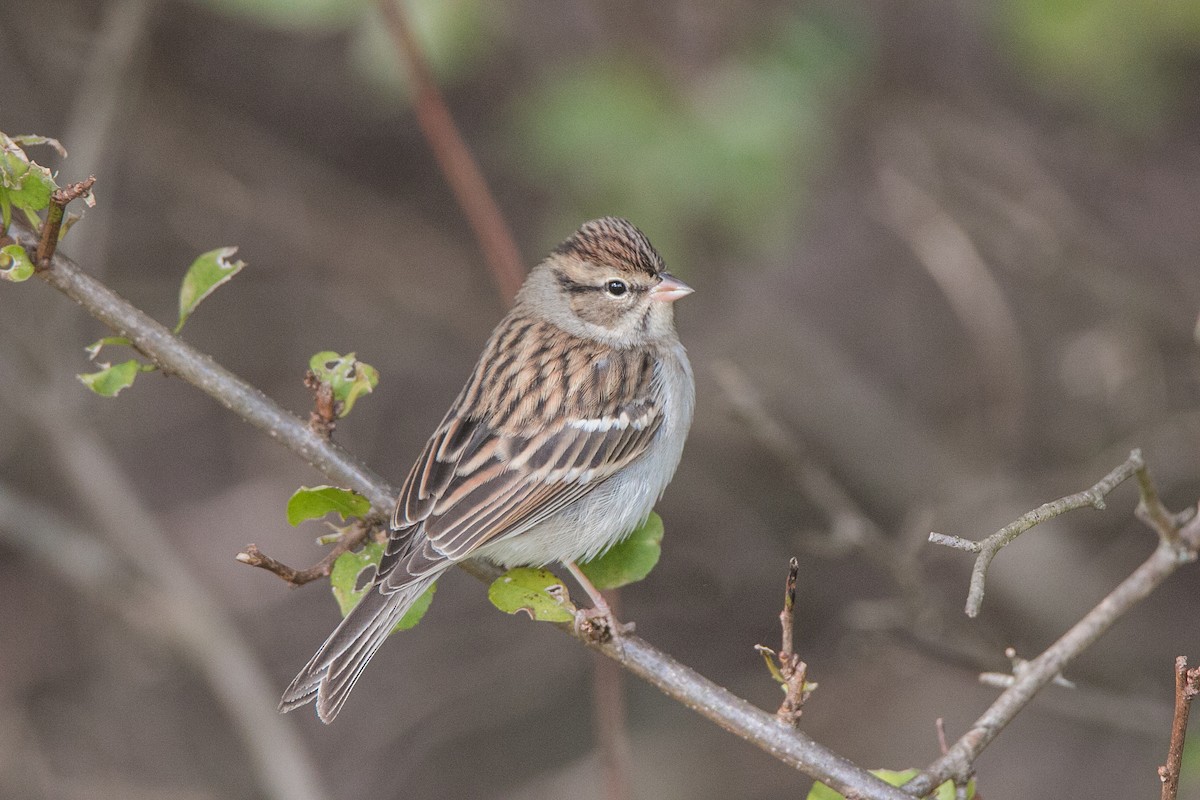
(564, 437)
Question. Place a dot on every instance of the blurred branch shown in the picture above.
(1173, 551)
(106, 89)
(608, 692)
(458, 166)
(951, 259)
(674, 679)
(104, 82)
(851, 528)
(1187, 686)
(183, 614)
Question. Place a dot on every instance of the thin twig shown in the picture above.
(950, 257)
(1150, 509)
(1003, 680)
(1167, 558)
(674, 679)
(59, 199)
(458, 166)
(1187, 686)
(350, 538)
(989, 547)
(793, 670)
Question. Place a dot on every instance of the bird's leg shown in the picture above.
(598, 621)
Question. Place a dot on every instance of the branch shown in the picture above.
(54, 217)
(1167, 557)
(677, 681)
(792, 671)
(174, 357)
(739, 717)
(989, 547)
(350, 538)
(1187, 686)
(455, 160)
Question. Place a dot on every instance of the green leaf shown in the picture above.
(630, 560)
(769, 657)
(23, 183)
(110, 380)
(204, 276)
(317, 501)
(94, 348)
(15, 264)
(349, 583)
(537, 592)
(347, 376)
(896, 778)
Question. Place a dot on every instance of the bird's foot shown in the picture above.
(599, 625)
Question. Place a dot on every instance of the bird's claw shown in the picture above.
(599, 625)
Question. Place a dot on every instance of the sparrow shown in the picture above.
(563, 439)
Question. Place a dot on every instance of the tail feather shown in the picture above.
(335, 668)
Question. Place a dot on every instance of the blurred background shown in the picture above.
(945, 256)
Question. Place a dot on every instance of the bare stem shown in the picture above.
(989, 547)
(54, 217)
(1187, 686)
(793, 670)
(458, 166)
(351, 538)
(957, 763)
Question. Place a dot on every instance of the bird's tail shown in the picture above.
(332, 672)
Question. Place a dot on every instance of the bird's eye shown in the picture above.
(616, 288)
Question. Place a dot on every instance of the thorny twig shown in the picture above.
(1187, 686)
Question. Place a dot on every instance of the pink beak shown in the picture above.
(670, 289)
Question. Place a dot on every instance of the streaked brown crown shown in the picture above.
(614, 243)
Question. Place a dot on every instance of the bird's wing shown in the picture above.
(488, 475)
